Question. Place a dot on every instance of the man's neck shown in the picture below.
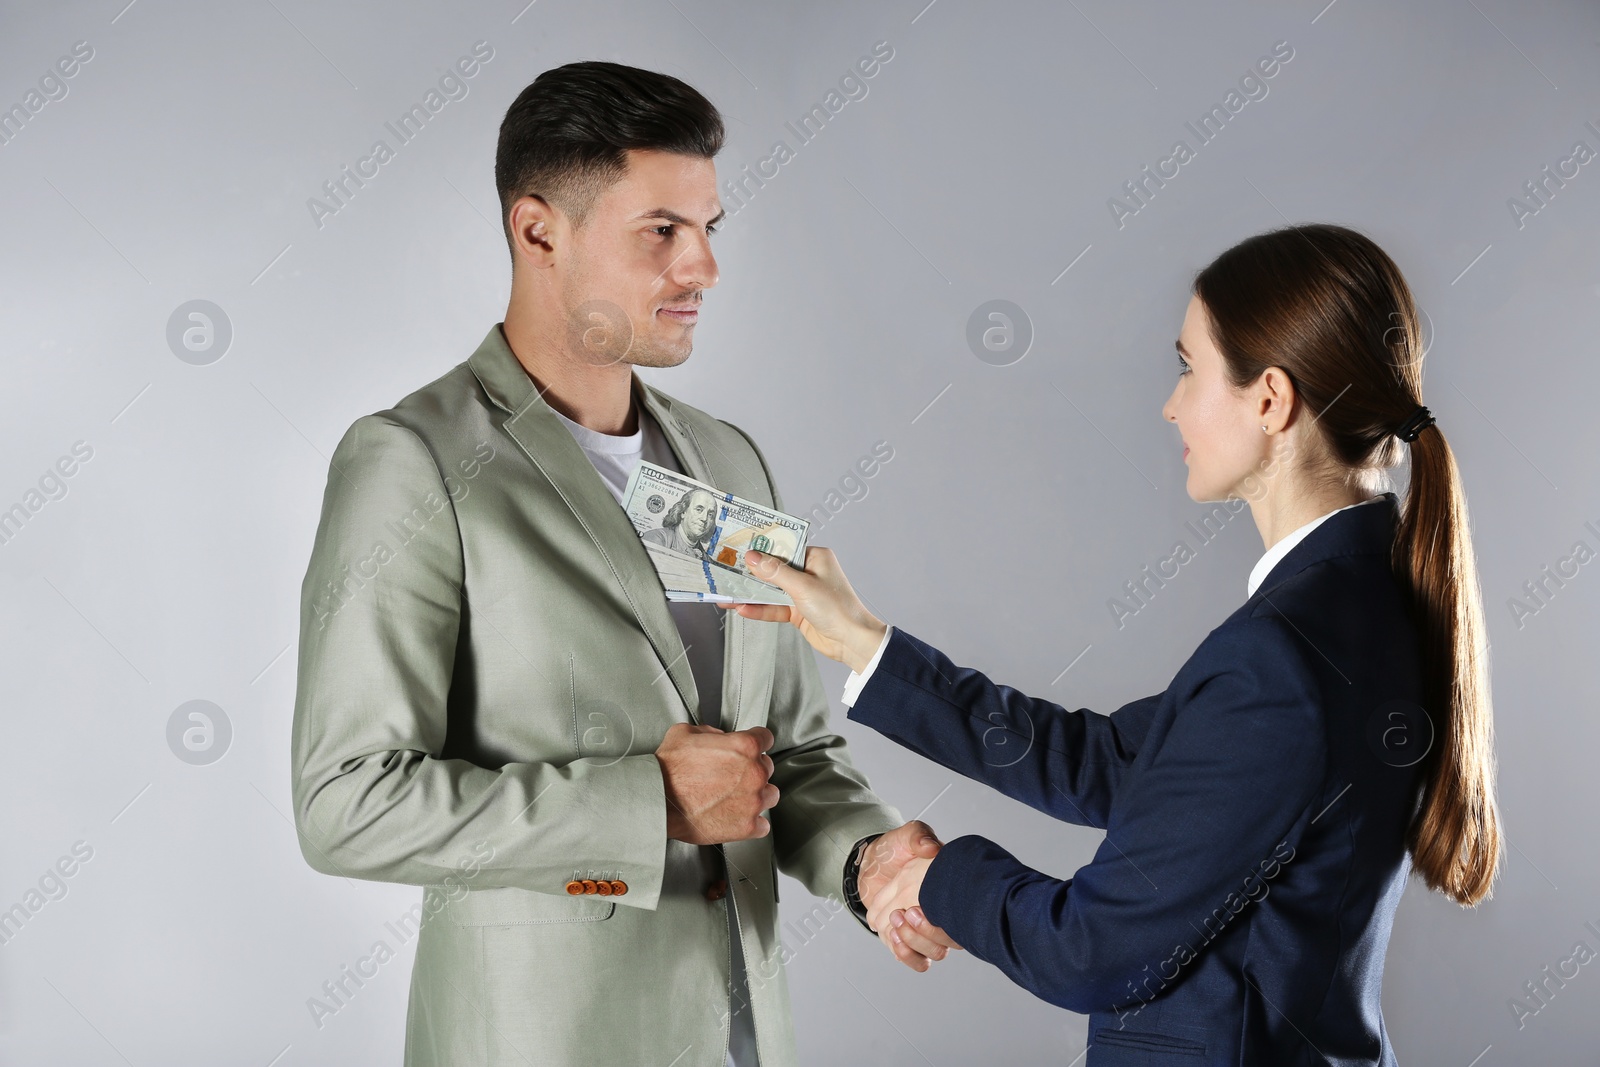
(598, 398)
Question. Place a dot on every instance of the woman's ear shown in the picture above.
(1274, 399)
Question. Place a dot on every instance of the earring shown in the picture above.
(1265, 430)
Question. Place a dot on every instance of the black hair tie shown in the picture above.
(1421, 420)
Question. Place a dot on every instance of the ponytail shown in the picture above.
(1455, 835)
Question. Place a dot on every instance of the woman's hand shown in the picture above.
(897, 917)
(826, 610)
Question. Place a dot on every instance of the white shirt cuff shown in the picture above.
(853, 684)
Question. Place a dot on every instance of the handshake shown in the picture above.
(718, 784)
(889, 883)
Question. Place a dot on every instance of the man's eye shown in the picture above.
(711, 230)
(665, 231)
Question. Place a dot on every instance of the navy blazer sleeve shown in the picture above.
(1209, 801)
(1064, 763)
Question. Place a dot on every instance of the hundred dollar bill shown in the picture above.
(686, 579)
(697, 536)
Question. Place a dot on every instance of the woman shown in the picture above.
(1262, 813)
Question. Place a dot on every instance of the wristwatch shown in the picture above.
(852, 873)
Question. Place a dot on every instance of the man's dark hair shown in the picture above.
(566, 137)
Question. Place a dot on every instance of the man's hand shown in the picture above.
(826, 611)
(915, 944)
(883, 858)
(717, 783)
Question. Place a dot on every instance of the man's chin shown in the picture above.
(662, 354)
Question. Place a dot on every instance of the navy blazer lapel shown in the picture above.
(557, 456)
(1365, 530)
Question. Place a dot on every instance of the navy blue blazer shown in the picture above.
(1239, 908)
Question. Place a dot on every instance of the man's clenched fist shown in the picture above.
(717, 783)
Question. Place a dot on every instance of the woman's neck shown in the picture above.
(1284, 510)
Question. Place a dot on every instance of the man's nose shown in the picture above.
(696, 268)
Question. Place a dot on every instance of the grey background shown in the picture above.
(1019, 499)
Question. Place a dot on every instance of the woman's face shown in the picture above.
(1221, 429)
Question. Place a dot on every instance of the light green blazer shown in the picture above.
(487, 665)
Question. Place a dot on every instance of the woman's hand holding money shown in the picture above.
(826, 609)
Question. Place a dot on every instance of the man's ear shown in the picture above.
(534, 227)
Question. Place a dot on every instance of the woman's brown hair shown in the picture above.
(1328, 307)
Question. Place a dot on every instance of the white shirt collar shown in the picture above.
(1280, 549)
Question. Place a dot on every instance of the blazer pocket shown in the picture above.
(1150, 1042)
(513, 906)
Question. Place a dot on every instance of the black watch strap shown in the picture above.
(852, 874)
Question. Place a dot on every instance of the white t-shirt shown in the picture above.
(700, 625)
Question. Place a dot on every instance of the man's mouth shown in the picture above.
(684, 314)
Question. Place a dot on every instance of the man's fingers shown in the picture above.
(763, 737)
(692, 728)
(924, 842)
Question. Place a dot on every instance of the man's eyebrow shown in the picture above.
(674, 217)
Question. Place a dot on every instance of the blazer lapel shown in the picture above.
(1365, 530)
(742, 648)
(533, 425)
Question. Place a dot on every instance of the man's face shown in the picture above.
(699, 516)
(638, 264)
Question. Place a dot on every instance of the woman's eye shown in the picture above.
(1183, 366)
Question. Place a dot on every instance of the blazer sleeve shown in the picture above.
(1197, 836)
(1068, 764)
(380, 618)
(825, 803)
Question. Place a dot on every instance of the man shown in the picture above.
(688, 524)
(496, 701)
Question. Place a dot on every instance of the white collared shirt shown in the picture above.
(1258, 574)
(1281, 547)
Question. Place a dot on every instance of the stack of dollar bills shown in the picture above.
(697, 536)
